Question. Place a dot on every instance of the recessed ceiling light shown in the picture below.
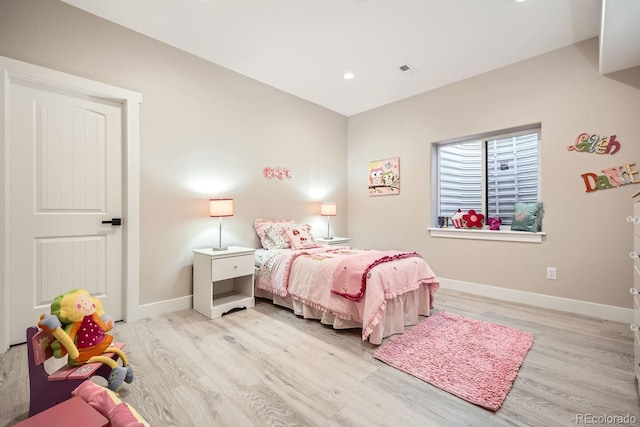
(348, 75)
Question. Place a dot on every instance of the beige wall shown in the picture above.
(205, 131)
(587, 237)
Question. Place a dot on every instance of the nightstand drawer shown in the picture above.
(226, 268)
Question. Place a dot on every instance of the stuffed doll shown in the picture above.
(79, 324)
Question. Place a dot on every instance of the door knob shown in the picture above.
(114, 221)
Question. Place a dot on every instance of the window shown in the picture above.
(488, 173)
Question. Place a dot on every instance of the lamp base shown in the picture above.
(220, 249)
(328, 238)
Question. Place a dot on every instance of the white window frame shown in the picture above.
(505, 233)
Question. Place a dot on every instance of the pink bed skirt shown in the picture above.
(404, 310)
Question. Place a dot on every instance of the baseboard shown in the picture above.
(600, 311)
(166, 306)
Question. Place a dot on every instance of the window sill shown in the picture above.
(486, 234)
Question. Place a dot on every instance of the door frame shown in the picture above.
(14, 70)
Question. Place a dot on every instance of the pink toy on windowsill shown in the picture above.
(457, 220)
(494, 223)
(472, 219)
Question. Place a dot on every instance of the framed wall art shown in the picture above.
(384, 177)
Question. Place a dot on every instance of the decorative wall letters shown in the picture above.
(280, 173)
(613, 177)
(616, 176)
(595, 144)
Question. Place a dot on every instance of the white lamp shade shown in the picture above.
(220, 207)
(328, 209)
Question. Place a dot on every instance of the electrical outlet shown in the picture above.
(551, 273)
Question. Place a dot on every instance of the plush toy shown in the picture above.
(79, 324)
(472, 219)
(457, 220)
(494, 223)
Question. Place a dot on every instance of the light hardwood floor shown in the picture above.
(266, 367)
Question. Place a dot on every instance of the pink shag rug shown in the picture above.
(469, 358)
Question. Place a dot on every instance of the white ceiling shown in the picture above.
(303, 47)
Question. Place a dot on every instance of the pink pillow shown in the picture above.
(262, 224)
(105, 401)
(124, 415)
(300, 237)
(99, 398)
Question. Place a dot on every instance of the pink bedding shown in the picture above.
(350, 276)
(307, 276)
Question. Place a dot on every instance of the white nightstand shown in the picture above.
(223, 280)
(336, 241)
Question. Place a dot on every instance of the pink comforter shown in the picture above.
(307, 275)
(350, 277)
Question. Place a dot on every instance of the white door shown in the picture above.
(65, 180)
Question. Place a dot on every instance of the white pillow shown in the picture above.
(300, 237)
(262, 224)
(275, 239)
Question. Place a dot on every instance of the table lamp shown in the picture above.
(219, 208)
(328, 209)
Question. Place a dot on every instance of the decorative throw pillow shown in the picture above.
(472, 219)
(528, 217)
(99, 398)
(124, 415)
(300, 237)
(275, 239)
(105, 401)
(262, 224)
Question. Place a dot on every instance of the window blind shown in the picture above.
(512, 174)
(460, 177)
(489, 175)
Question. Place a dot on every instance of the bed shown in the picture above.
(378, 291)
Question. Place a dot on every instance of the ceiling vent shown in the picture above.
(408, 69)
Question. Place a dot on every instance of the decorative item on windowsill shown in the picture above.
(328, 209)
(457, 220)
(528, 217)
(494, 223)
(443, 221)
(219, 208)
(472, 219)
